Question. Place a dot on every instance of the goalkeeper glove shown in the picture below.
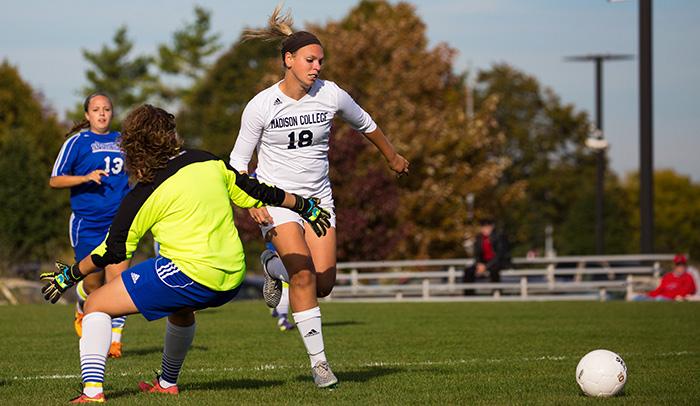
(316, 215)
(60, 280)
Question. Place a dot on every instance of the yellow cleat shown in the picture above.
(78, 323)
(115, 350)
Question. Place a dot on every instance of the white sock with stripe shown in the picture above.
(94, 345)
(177, 342)
(117, 327)
(309, 324)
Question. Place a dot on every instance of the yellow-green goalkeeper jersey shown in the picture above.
(187, 208)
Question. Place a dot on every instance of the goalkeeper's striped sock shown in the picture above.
(94, 345)
(177, 342)
(117, 327)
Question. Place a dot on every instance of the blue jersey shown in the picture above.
(83, 153)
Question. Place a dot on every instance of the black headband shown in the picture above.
(298, 40)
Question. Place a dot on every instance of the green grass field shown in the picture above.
(436, 353)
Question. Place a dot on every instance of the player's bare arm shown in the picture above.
(396, 162)
(68, 181)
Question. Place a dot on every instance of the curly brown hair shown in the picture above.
(148, 140)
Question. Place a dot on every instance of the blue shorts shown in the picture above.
(86, 235)
(158, 288)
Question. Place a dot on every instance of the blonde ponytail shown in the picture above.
(279, 26)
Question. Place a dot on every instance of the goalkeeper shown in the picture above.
(183, 197)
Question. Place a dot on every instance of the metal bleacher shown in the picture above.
(556, 278)
(535, 279)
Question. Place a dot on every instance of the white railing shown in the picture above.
(9, 285)
(356, 280)
(440, 279)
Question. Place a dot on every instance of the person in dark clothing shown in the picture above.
(491, 255)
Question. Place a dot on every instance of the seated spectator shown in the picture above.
(693, 271)
(676, 285)
(491, 255)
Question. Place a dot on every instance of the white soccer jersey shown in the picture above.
(292, 136)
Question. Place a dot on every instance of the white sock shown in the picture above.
(276, 268)
(177, 342)
(283, 306)
(94, 345)
(309, 324)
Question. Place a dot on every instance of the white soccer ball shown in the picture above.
(601, 373)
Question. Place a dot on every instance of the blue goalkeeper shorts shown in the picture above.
(158, 288)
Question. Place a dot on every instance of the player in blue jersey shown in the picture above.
(91, 164)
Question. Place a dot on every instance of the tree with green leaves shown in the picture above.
(676, 212)
(576, 234)
(211, 116)
(125, 78)
(32, 225)
(188, 55)
(545, 141)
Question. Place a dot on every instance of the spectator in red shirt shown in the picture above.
(676, 285)
(491, 255)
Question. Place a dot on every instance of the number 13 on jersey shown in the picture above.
(305, 139)
(116, 167)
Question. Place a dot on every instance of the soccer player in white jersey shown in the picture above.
(289, 124)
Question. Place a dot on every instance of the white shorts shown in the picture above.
(281, 215)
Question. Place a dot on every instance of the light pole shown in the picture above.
(646, 127)
(598, 59)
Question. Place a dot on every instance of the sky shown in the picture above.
(44, 39)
